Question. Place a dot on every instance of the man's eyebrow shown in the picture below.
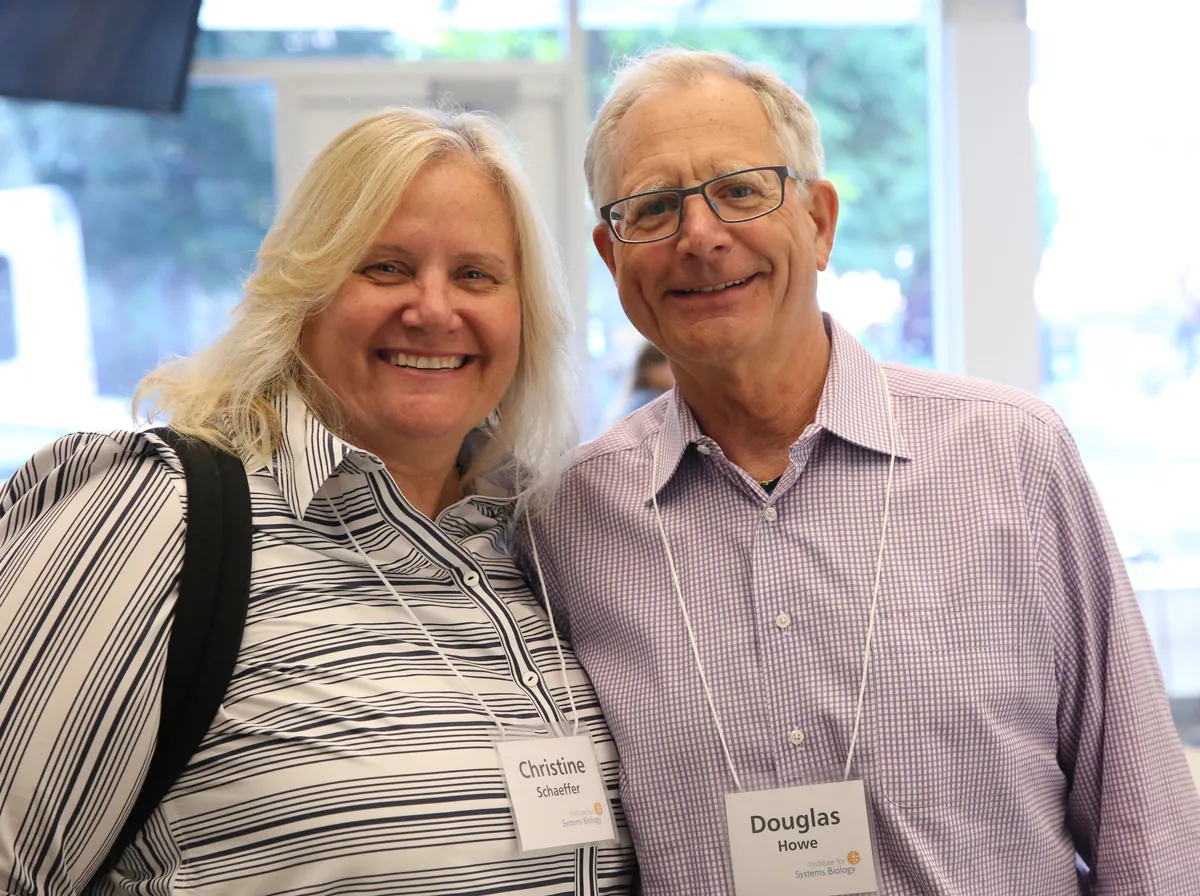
(732, 168)
(720, 171)
(651, 187)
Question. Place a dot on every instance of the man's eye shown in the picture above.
(739, 191)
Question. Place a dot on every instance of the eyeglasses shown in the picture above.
(658, 214)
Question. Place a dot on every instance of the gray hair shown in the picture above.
(790, 116)
(223, 394)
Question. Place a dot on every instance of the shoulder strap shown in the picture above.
(210, 613)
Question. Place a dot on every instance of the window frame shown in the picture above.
(985, 228)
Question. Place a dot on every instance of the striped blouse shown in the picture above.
(346, 757)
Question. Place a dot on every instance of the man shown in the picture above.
(802, 567)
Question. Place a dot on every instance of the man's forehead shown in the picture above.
(680, 134)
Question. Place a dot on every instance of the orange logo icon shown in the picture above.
(853, 857)
(597, 808)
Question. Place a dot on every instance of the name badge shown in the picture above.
(558, 797)
(813, 840)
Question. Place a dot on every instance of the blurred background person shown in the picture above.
(651, 378)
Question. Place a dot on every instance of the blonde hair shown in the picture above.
(223, 394)
(791, 118)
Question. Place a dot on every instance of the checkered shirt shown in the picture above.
(1014, 711)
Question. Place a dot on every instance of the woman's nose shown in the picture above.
(431, 306)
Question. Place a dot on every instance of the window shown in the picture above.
(8, 318)
(862, 66)
(1118, 292)
(866, 80)
(412, 31)
(125, 237)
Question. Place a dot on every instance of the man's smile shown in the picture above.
(719, 287)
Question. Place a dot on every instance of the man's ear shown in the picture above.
(602, 239)
(823, 209)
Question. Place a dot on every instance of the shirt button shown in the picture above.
(471, 578)
(783, 620)
(796, 737)
(704, 449)
(769, 514)
(530, 678)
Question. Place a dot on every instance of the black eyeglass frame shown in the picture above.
(784, 171)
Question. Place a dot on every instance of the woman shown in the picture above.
(397, 357)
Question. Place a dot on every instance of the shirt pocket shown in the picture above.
(954, 698)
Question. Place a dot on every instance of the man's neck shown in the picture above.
(755, 413)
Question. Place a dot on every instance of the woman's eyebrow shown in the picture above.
(383, 249)
(483, 259)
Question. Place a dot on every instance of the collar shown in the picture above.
(309, 454)
(853, 407)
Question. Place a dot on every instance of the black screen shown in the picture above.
(128, 53)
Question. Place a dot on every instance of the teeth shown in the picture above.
(719, 287)
(425, 362)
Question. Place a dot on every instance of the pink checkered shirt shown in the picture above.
(1014, 713)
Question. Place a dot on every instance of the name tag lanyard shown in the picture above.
(687, 621)
(765, 859)
(556, 726)
(557, 805)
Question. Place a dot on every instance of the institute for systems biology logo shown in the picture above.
(853, 857)
(597, 808)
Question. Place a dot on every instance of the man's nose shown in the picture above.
(701, 231)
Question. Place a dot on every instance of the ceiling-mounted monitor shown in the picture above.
(131, 54)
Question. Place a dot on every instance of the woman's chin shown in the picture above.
(424, 426)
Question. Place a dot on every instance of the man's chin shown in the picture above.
(717, 341)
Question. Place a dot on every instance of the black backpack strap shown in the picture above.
(210, 614)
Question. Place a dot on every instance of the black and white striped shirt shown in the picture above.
(346, 757)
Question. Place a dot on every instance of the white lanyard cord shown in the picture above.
(429, 637)
(687, 620)
(887, 504)
(862, 685)
(562, 659)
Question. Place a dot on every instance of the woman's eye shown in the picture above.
(474, 274)
(388, 271)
